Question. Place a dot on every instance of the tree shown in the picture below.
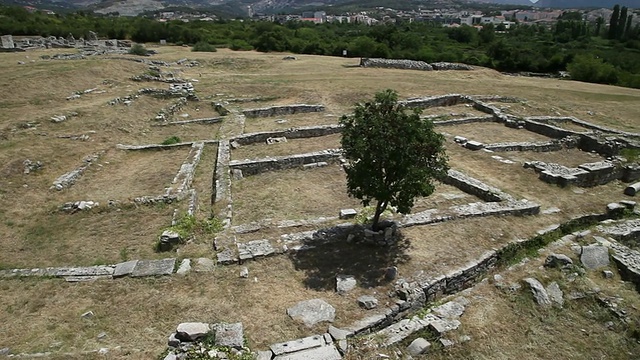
(393, 156)
(613, 22)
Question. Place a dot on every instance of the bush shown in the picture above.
(240, 45)
(138, 49)
(591, 69)
(204, 47)
(171, 140)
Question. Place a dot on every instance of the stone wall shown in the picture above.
(411, 64)
(475, 187)
(292, 133)
(585, 175)
(222, 181)
(395, 64)
(161, 146)
(6, 42)
(70, 178)
(529, 146)
(183, 179)
(467, 120)
(437, 101)
(256, 166)
(282, 110)
(551, 131)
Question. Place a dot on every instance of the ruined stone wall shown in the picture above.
(282, 110)
(411, 64)
(292, 133)
(437, 101)
(525, 146)
(475, 187)
(395, 64)
(468, 120)
(548, 130)
(256, 166)
(585, 175)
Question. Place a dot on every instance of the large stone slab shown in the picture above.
(538, 291)
(192, 331)
(154, 267)
(345, 283)
(298, 345)
(231, 335)
(99, 270)
(328, 352)
(418, 346)
(594, 257)
(124, 268)
(311, 312)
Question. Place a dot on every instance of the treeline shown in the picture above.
(588, 51)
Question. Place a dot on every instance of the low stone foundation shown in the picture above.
(292, 133)
(585, 175)
(256, 166)
(282, 110)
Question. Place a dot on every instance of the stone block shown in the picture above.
(367, 302)
(345, 283)
(443, 326)
(538, 291)
(338, 334)
(328, 352)
(418, 346)
(460, 139)
(311, 312)
(473, 145)
(154, 267)
(298, 345)
(231, 335)
(594, 257)
(192, 331)
(348, 213)
(557, 260)
(185, 267)
(124, 268)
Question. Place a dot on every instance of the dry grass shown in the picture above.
(38, 313)
(151, 308)
(291, 194)
(291, 147)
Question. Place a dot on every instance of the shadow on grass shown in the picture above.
(367, 263)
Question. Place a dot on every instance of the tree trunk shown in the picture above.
(380, 208)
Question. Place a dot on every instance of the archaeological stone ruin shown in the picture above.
(427, 301)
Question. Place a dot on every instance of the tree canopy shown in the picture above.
(394, 156)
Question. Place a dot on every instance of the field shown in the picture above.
(43, 314)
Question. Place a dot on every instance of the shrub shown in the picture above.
(204, 47)
(138, 49)
(171, 140)
(592, 69)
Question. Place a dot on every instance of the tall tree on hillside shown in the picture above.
(613, 22)
(622, 23)
(627, 28)
(393, 156)
(599, 22)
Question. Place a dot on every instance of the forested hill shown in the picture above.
(592, 52)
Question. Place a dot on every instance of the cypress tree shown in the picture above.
(613, 22)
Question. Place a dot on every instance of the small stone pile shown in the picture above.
(217, 341)
(30, 166)
(72, 207)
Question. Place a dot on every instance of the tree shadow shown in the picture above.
(366, 262)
